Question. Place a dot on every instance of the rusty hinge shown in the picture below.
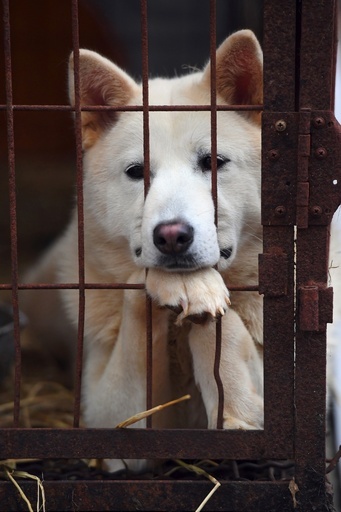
(301, 160)
(318, 168)
(279, 167)
(303, 154)
(315, 307)
(324, 167)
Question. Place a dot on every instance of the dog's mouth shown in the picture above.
(181, 262)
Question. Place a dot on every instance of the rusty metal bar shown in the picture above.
(13, 210)
(213, 99)
(278, 184)
(102, 286)
(141, 443)
(317, 56)
(80, 214)
(214, 185)
(279, 44)
(127, 495)
(317, 40)
(146, 156)
(137, 108)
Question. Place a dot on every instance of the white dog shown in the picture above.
(172, 233)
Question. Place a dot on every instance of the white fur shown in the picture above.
(118, 222)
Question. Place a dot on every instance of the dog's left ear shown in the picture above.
(239, 70)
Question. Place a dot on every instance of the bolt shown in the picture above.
(280, 125)
(280, 211)
(319, 122)
(316, 211)
(321, 152)
(273, 154)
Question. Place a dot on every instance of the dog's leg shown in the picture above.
(202, 295)
(115, 377)
(240, 368)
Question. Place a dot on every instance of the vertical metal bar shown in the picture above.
(279, 45)
(318, 48)
(145, 94)
(213, 102)
(214, 185)
(13, 209)
(146, 154)
(80, 213)
(317, 66)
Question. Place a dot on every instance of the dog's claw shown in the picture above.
(199, 296)
(185, 307)
(221, 311)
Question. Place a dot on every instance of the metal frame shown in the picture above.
(301, 158)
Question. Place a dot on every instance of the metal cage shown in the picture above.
(301, 189)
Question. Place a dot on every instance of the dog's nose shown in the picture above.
(173, 238)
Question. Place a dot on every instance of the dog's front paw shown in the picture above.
(197, 296)
(250, 417)
(254, 420)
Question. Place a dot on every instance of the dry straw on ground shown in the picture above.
(49, 404)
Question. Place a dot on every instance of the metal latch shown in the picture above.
(315, 307)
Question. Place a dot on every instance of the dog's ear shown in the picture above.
(101, 83)
(239, 69)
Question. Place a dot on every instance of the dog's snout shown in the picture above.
(173, 238)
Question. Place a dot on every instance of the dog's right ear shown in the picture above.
(239, 72)
(101, 83)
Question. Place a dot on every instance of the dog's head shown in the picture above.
(172, 224)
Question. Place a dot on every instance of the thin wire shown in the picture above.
(13, 211)
(101, 286)
(80, 214)
(146, 153)
(213, 76)
(136, 108)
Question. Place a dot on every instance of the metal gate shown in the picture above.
(301, 188)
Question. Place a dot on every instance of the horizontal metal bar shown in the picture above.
(126, 495)
(45, 443)
(102, 286)
(134, 108)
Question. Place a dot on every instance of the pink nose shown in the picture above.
(173, 237)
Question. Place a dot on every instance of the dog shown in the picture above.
(165, 238)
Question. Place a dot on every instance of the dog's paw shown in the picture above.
(197, 296)
(250, 417)
(233, 423)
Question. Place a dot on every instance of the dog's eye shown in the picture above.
(205, 162)
(135, 171)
